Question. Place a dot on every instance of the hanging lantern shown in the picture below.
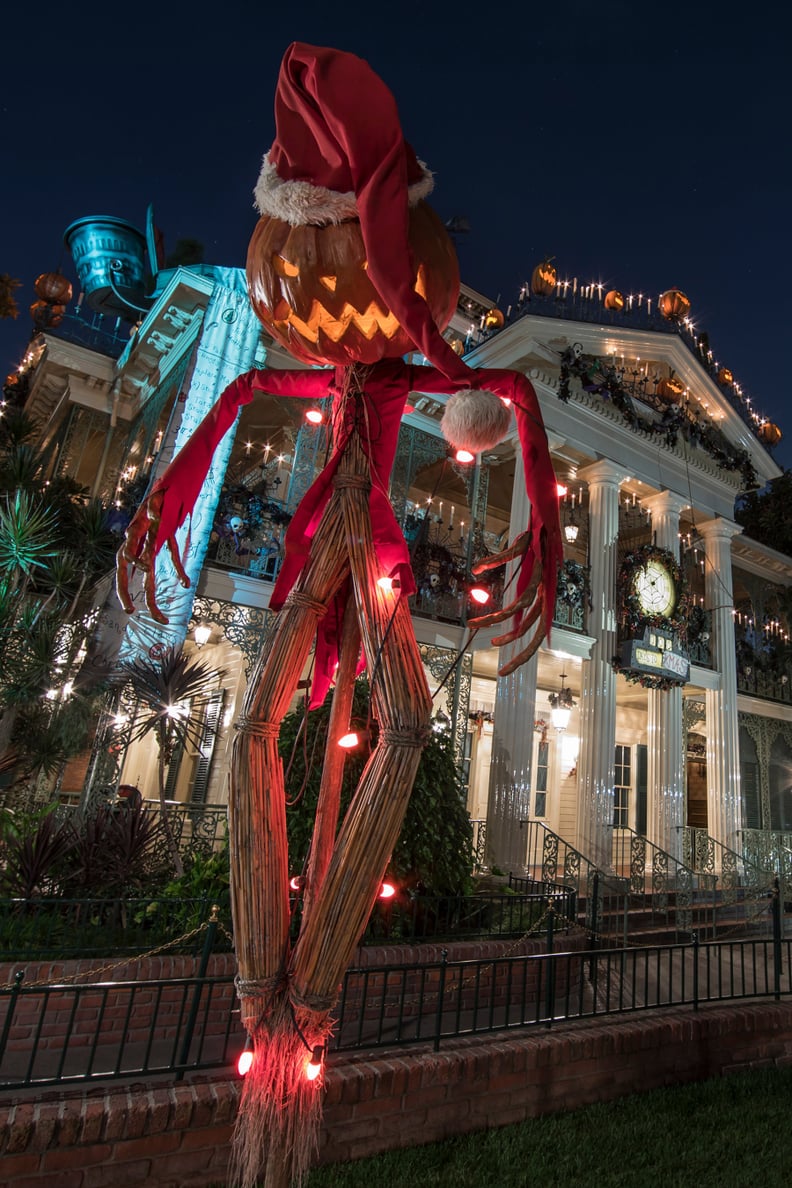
(615, 301)
(493, 319)
(769, 433)
(543, 279)
(53, 287)
(671, 388)
(674, 305)
(725, 377)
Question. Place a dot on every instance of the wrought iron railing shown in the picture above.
(549, 858)
(67, 1034)
(768, 683)
(738, 875)
(660, 884)
(770, 851)
(196, 828)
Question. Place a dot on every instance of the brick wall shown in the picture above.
(158, 1136)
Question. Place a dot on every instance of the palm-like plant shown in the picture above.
(54, 548)
(165, 689)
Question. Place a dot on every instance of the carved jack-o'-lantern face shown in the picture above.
(310, 288)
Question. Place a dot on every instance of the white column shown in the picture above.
(512, 733)
(724, 804)
(667, 808)
(598, 679)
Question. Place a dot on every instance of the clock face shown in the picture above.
(654, 588)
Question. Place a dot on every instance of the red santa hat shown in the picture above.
(339, 153)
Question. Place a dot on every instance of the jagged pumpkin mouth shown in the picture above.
(334, 319)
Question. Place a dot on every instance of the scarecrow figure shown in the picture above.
(350, 269)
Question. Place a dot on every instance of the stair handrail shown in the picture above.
(736, 868)
(775, 849)
(589, 880)
(667, 874)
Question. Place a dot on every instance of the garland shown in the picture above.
(601, 379)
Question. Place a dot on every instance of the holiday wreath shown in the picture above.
(633, 619)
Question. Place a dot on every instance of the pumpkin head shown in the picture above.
(725, 377)
(309, 286)
(543, 279)
(614, 300)
(674, 305)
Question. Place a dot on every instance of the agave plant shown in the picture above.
(165, 689)
(27, 537)
(55, 547)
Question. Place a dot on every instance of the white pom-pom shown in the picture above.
(475, 420)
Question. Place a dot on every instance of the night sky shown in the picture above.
(643, 146)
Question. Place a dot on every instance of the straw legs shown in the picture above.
(283, 990)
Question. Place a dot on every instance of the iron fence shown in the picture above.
(75, 1034)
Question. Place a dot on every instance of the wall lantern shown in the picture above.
(561, 706)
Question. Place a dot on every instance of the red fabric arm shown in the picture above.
(182, 480)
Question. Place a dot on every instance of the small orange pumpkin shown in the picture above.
(53, 287)
(543, 279)
(45, 314)
(614, 300)
(769, 433)
(674, 305)
(309, 286)
(671, 388)
(725, 377)
(493, 319)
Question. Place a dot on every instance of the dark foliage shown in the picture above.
(766, 515)
(434, 850)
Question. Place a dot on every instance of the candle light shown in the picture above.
(648, 305)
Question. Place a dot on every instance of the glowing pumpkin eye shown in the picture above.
(329, 282)
(283, 267)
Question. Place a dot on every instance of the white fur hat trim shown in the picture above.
(475, 420)
(301, 203)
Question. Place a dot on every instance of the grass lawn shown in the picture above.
(732, 1132)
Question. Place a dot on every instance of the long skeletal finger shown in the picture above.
(173, 549)
(123, 563)
(522, 657)
(525, 624)
(150, 588)
(522, 603)
(519, 547)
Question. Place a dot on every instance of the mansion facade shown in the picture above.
(658, 709)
